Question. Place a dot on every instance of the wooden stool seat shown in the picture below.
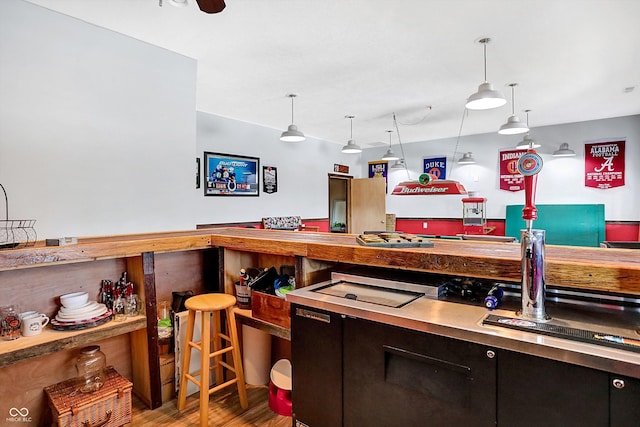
(210, 302)
(210, 306)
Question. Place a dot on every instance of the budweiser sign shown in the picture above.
(434, 187)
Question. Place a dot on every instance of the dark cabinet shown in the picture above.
(353, 372)
(533, 391)
(624, 395)
(316, 358)
(397, 377)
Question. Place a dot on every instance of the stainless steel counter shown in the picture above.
(464, 322)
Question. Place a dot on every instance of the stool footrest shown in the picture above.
(223, 385)
(229, 367)
(221, 351)
(192, 377)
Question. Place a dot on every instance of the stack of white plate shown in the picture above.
(85, 312)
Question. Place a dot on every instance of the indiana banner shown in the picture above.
(604, 164)
(510, 178)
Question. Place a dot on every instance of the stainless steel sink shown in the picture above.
(375, 291)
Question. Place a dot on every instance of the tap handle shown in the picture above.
(529, 165)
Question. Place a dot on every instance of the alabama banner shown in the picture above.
(510, 178)
(604, 164)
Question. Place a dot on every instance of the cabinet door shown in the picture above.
(533, 391)
(624, 393)
(366, 207)
(316, 360)
(397, 377)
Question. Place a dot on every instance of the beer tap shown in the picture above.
(532, 243)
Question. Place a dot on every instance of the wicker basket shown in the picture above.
(108, 407)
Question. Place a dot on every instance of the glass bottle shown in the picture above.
(92, 369)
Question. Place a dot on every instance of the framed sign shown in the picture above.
(604, 164)
(197, 172)
(269, 179)
(510, 178)
(435, 166)
(231, 175)
(379, 169)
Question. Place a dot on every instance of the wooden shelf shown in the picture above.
(96, 248)
(51, 341)
(245, 317)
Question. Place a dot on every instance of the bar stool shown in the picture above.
(210, 305)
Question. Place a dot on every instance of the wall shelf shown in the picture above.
(51, 341)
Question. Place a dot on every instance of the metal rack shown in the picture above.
(15, 233)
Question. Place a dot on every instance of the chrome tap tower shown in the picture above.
(532, 244)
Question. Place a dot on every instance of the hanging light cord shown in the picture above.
(292, 96)
(404, 159)
(484, 45)
(513, 104)
(455, 150)
(6, 203)
(417, 122)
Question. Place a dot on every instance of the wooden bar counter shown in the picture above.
(159, 263)
(603, 269)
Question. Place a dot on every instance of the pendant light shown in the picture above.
(399, 164)
(486, 97)
(292, 134)
(564, 151)
(179, 3)
(513, 126)
(527, 141)
(390, 155)
(467, 159)
(351, 147)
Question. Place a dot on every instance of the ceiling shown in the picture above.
(573, 60)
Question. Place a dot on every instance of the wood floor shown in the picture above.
(224, 411)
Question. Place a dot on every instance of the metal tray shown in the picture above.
(401, 241)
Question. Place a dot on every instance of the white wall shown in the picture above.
(561, 180)
(303, 169)
(99, 135)
(97, 130)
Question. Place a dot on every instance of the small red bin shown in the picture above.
(280, 388)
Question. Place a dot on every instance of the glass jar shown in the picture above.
(10, 322)
(92, 369)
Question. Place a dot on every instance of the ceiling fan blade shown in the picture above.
(211, 6)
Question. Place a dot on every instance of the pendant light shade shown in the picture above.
(351, 147)
(390, 155)
(527, 142)
(486, 97)
(467, 159)
(179, 3)
(564, 151)
(292, 134)
(513, 126)
(399, 164)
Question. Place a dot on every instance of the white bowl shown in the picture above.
(74, 299)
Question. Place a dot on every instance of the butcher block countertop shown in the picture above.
(602, 269)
